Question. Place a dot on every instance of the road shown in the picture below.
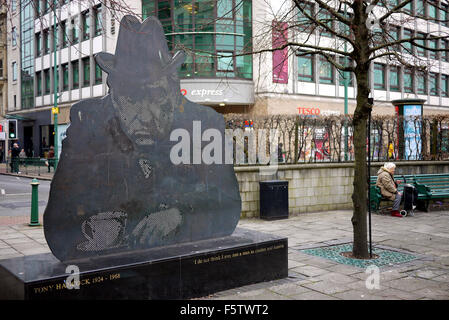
(15, 196)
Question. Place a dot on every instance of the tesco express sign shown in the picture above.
(203, 92)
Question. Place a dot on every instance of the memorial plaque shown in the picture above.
(117, 188)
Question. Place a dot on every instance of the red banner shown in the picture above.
(280, 57)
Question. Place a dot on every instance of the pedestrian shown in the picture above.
(280, 153)
(15, 152)
(50, 159)
(389, 187)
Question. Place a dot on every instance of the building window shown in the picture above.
(14, 36)
(37, 8)
(433, 84)
(344, 61)
(86, 72)
(445, 54)
(75, 30)
(1, 68)
(420, 8)
(38, 44)
(444, 14)
(433, 44)
(98, 21)
(408, 81)
(445, 85)
(65, 77)
(408, 7)
(47, 81)
(379, 76)
(98, 74)
(38, 84)
(432, 10)
(422, 42)
(225, 9)
(408, 34)
(46, 39)
(85, 18)
(225, 61)
(305, 68)
(148, 8)
(394, 33)
(55, 78)
(394, 79)
(325, 18)
(421, 83)
(64, 35)
(304, 22)
(326, 71)
(54, 34)
(213, 31)
(75, 75)
(13, 5)
(46, 6)
(14, 71)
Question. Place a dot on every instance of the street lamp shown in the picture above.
(55, 109)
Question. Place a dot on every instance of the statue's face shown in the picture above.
(145, 108)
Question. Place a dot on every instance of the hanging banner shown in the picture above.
(412, 131)
(280, 57)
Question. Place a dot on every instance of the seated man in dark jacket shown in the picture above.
(389, 187)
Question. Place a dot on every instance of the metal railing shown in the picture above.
(29, 166)
(312, 139)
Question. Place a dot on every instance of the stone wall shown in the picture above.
(317, 187)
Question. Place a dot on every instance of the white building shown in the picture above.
(218, 78)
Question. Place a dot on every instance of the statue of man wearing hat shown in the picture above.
(115, 188)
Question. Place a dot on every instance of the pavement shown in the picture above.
(426, 235)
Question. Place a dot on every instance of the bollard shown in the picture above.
(34, 203)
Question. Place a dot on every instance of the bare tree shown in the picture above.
(362, 31)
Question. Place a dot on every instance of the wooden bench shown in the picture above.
(432, 187)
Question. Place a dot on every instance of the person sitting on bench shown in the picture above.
(389, 187)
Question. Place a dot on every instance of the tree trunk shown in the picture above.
(360, 194)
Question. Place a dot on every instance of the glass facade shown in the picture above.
(27, 53)
(211, 33)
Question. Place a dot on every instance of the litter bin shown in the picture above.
(273, 199)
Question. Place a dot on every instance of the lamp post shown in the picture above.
(55, 109)
(346, 80)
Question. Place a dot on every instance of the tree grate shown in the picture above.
(386, 257)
